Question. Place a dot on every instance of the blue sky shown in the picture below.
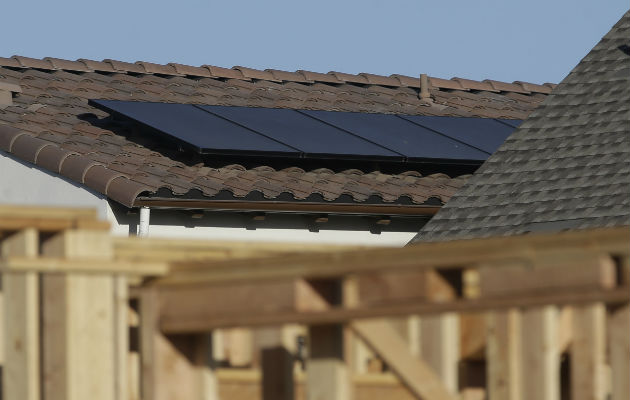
(534, 40)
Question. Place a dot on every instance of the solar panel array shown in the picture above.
(318, 134)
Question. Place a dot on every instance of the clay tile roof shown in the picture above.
(121, 66)
(51, 125)
(506, 87)
(220, 72)
(380, 80)
(27, 62)
(349, 78)
(286, 76)
(446, 84)
(475, 85)
(408, 81)
(256, 74)
(152, 68)
(319, 77)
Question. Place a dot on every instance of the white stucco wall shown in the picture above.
(24, 183)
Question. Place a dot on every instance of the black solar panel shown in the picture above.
(399, 135)
(318, 134)
(483, 133)
(300, 131)
(515, 123)
(206, 132)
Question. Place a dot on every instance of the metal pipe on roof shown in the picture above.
(145, 217)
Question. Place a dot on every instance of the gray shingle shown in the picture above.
(566, 167)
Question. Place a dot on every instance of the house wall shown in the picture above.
(24, 183)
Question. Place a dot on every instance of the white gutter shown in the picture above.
(143, 227)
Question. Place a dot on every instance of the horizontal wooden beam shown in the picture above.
(87, 265)
(189, 322)
(427, 256)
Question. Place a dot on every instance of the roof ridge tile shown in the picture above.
(159, 69)
(253, 73)
(225, 73)
(349, 78)
(125, 67)
(28, 62)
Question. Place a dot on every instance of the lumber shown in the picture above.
(588, 352)
(21, 367)
(327, 376)
(503, 355)
(440, 347)
(427, 256)
(540, 360)
(83, 265)
(473, 332)
(196, 319)
(619, 336)
(419, 378)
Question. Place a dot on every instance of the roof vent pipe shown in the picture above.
(7, 92)
(424, 89)
(143, 226)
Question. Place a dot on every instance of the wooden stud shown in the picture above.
(503, 355)
(440, 347)
(327, 377)
(619, 334)
(417, 375)
(540, 361)
(588, 352)
(21, 367)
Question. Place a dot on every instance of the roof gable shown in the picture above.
(566, 167)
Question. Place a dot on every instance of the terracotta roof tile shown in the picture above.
(251, 73)
(506, 87)
(152, 68)
(121, 66)
(47, 125)
(220, 72)
(381, 80)
(475, 85)
(68, 65)
(27, 62)
(349, 78)
(532, 87)
(319, 77)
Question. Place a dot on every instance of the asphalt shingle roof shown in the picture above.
(51, 125)
(566, 167)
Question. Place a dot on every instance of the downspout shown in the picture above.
(143, 227)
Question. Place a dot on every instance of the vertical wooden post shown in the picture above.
(177, 366)
(588, 352)
(503, 355)
(277, 363)
(79, 329)
(327, 374)
(620, 352)
(440, 347)
(540, 363)
(21, 380)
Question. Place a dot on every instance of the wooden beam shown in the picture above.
(427, 256)
(619, 334)
(195, 319)
(588, 352)
(503, 355)
(327, 376)
(83, 265)
(21, 366)
(419, 378)
(78, 323)
(440, 347)
(540, 367)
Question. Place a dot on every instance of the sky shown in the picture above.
(527, 40)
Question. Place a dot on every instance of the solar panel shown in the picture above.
(515, 123)
(318, 134)
(206, 132)
(483, 133)
(399, 135)
(311, 136)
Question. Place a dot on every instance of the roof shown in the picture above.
(566, 167)
(51, 125)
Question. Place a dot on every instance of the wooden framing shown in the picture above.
(67, 285)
